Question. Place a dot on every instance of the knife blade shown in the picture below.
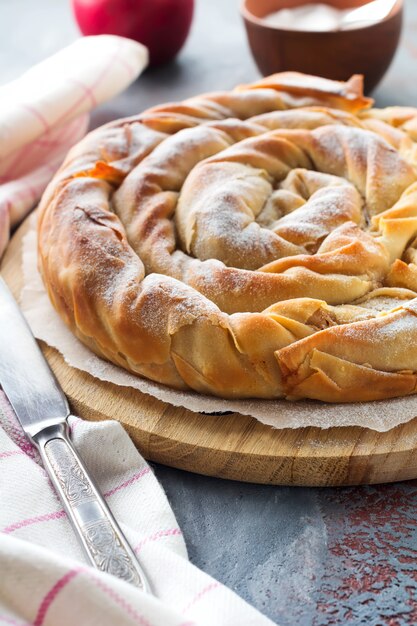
(26, 378)
(42, 410)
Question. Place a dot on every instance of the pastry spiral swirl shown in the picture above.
(253, 243)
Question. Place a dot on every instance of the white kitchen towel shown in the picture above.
(44, 112)
(44, 577)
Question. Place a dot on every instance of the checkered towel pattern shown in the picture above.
(45, 580)
(45, 111)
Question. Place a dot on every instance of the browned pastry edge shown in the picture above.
(139, 243)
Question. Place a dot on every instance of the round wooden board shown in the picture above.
(231, 446)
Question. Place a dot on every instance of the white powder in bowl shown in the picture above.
(309, 17)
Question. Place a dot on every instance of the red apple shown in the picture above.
(161, 25)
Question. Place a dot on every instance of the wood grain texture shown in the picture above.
(231, 446)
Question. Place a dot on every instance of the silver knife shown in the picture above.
(42, 410)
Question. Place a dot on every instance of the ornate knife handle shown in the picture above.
(98, 532)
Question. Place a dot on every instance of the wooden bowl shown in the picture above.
(368, 50)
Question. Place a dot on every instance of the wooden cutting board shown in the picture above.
(231, 446)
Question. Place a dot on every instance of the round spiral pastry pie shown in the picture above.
(253, 243)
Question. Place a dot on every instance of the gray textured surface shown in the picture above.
(302, 556)
(266, 543)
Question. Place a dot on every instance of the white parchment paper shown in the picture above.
(48, 326)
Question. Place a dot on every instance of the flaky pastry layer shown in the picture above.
(253, 243)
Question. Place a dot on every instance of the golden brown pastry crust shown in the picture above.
(253, 243)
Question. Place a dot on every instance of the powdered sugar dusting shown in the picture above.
(48, 326)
